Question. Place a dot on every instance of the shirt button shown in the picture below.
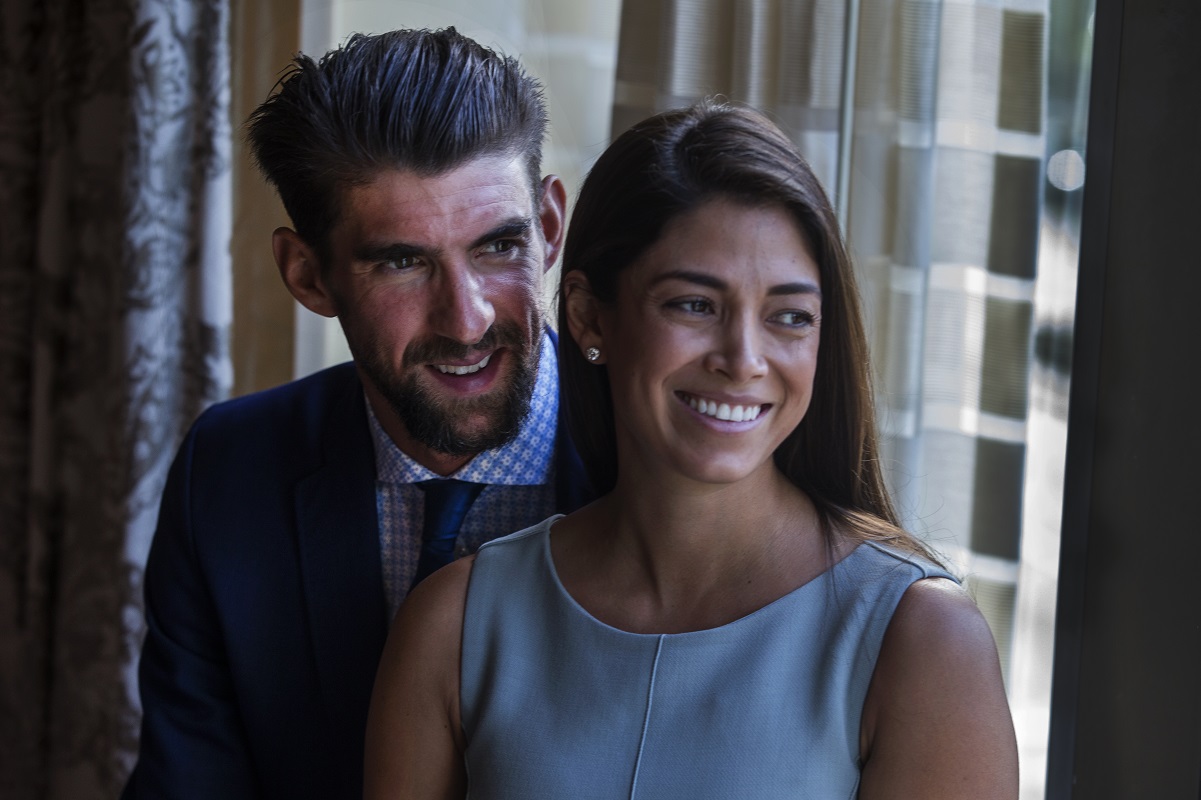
(460, 551)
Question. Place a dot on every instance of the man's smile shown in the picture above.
(466, 369)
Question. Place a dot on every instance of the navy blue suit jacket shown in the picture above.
(264, 598)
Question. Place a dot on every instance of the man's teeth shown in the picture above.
(449, 370)
(725, 411)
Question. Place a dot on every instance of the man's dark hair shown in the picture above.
(420, 100)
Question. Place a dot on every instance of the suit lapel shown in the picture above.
(338, 534)
(340, 559)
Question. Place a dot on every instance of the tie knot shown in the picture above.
(446, 505)
(441, 490)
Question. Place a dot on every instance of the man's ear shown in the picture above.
(583, 314)
(301, 271)
(553, 215)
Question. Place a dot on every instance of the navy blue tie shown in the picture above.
(446, 504)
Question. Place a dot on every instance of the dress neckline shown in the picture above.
(787, 598)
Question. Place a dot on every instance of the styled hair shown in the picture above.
(667, 166)
(419, 100)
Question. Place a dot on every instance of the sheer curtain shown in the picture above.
(925, 120)
(114, 280)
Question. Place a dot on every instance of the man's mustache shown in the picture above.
(438, 349)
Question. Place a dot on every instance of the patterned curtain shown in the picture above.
(937, 156)
(114, 318)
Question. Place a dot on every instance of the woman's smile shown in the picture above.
(725, 411)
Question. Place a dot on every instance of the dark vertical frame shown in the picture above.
(1082, 403)
(1126, 694)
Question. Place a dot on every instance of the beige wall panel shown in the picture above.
(265, 36)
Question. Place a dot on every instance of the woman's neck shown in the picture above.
(681, 556)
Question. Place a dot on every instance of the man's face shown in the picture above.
(436, 283)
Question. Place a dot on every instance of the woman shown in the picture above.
(739, 614)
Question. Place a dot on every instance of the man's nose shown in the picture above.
(460, 308)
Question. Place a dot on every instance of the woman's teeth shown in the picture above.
(448, 370)
(725, 411)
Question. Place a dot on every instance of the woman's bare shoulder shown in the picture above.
(936, 721)
(414, 740)
(938, 610)
(437, 603)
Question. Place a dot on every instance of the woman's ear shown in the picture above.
(583, 315)
(301, 271)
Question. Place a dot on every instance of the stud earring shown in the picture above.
(592, 354)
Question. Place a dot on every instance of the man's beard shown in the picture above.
(436, 422)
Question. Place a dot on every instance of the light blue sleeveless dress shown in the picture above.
(557, 705)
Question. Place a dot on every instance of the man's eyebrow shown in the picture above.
(513, 229)
(392, 251)
(718, 284)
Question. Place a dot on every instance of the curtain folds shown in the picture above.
(950, 250)
(784, 58)
(946, 141)
(114, 279)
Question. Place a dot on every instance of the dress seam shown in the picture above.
(646, 721)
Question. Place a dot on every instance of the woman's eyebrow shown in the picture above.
(797, 287)
(718, 284)
(700, 278)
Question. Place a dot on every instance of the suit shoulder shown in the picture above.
(283, 430)
(288, 405)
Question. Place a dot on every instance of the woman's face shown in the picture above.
(712, 343)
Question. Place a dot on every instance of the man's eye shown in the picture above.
(404, 262)
(500, 246)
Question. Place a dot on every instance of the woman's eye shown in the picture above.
(694, 305)
(794, 319)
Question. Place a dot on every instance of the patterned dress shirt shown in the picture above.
(520, 488)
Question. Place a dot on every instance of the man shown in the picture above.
(295, 521)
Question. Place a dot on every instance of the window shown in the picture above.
(888, 99)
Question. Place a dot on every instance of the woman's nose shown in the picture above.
(738, 354)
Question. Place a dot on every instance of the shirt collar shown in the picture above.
(525, 461)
